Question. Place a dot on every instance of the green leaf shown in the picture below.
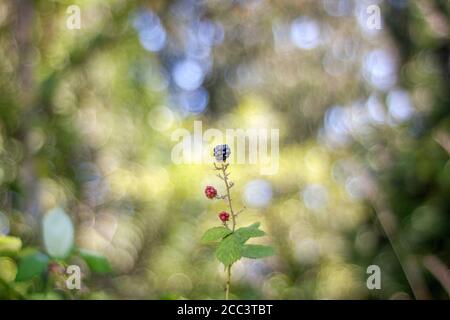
(32, 265)
(255, 251)
(58, 233)
(229, 250)
(8, 269)
(215, 233)
(10, 244)
(251, 231)
(96, 262)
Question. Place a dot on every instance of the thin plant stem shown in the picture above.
(225, 178)
(227, 290)
(233, 221)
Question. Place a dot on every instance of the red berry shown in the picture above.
(224, 216)
(55, 267)
(210, 192)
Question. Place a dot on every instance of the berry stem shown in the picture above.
(227, 184)
(227, 290)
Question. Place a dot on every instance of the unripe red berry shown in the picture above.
(56, 268)
(210, 192)
(224, 216)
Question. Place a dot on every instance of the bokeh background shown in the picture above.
(86, 117)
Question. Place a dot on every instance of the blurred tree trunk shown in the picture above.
(24, 29)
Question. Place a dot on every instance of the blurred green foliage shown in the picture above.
(86, 117)
(27, 270)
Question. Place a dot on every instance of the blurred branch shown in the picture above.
(23, 28)
(439, 270)
(443, 139)
(388, 224)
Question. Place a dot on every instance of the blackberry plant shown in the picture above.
(231, 242)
